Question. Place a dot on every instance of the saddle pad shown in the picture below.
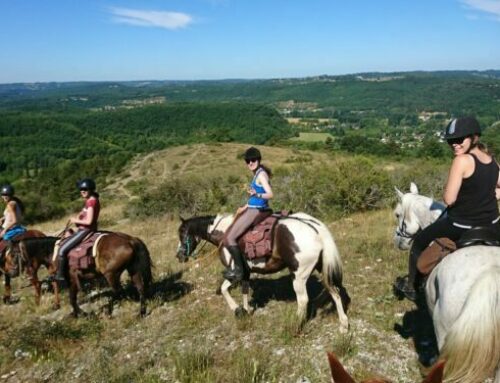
(80, 257)
(434, 254)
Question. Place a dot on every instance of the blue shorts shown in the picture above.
(13, 231)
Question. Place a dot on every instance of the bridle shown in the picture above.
(401, 231)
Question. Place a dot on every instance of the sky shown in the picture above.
(120, 40)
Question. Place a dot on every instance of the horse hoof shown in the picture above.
(344, 329)
(6, 300)
(240, 312)
(56, 306)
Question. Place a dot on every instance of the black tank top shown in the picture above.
(476, 203)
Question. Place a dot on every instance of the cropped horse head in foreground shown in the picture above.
(340, 375)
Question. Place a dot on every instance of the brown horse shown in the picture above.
(115, 252)
(340, 375)
(12, 252)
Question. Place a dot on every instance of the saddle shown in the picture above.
(257, 242)
(82, 256)
(441, 247)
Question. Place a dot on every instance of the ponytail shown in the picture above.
(19, 203)
(266, 169)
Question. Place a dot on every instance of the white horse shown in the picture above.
(463, 296)
(300, 242)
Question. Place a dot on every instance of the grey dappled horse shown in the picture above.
(463, 296)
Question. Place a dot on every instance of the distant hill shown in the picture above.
(453, 92)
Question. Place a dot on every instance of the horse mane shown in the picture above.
(199, 225)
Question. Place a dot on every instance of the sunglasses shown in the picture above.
(251, 160)
(456, 141)
(85, 190)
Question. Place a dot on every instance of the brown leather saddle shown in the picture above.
(81, 257)
(441, 247)
(257, 242)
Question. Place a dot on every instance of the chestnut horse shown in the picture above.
(115, 252)
(14, 250)
(301, 243)
(340, 375)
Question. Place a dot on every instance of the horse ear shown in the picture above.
(182, 219)
(399, 192)
(436, 374)
(339, 374)
(413, 188)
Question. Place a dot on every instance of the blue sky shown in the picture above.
(87, 40)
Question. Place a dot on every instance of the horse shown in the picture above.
(300, 242)
(34, 252)
(114, 253)
(340, 375)
(462, 295)
(4, 251)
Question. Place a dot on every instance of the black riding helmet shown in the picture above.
(86, 183)
(252, 153)
(7, 190)
(462, 127)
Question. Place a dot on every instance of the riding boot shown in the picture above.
(406, 285)
(62, 265)
(239, 271)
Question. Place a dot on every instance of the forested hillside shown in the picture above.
(47, 152)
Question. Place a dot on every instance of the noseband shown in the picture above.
(401, 231)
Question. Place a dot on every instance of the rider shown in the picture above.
(470, 193)
(85, 221)
(260, 193)
(12, 216)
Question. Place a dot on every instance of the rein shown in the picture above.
(195, 255)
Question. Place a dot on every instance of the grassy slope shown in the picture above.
(190, 335)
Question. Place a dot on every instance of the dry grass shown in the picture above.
(189, 334)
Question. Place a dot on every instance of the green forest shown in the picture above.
(52, 134)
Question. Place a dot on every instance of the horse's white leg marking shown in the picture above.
(299, 285)
(335, 294)
(497, 375)
(225, 293)
(246, 305)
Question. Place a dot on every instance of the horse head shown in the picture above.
(187, 240)
(413, 213)
(11, 262)
(340, 375)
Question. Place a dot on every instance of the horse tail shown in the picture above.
(331, 263)
(472, 346)
(143, 261)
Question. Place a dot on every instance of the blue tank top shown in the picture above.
(255, 202)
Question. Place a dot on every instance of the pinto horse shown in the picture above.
(301, 243)
(4, 254)
(115, 252)
(463, 296)
(340, 375)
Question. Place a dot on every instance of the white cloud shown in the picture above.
(491, 7)
(158, 19)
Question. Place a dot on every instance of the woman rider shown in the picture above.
(85, 221)
(470, 193)
(12, 216)
(260, 193)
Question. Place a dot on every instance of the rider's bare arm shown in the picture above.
(263, 179)
(460, 168)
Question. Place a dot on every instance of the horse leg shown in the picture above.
(335, 294)
(33, 277)
(8, 290)
(229, 299)
(299, 285)
(497, 375)
(139, 285)
(73, 292)
(113, 281)
(51, 269)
